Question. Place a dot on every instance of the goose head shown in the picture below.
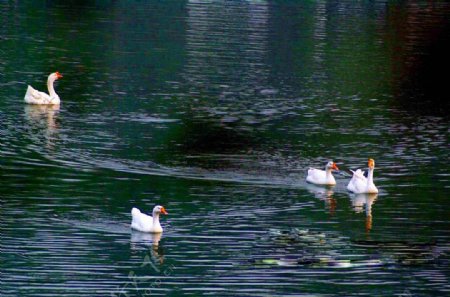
(331, 166)
(159, 209)
(371, 164)
(54, 76)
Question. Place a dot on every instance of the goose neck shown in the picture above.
(156, 220)
(51, 89)
(370, 176)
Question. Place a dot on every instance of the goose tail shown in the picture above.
(28, 94)
(135, 211)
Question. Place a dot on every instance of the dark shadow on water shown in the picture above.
(211, 137)
(420, 58)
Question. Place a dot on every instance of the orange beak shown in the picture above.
(58, 75)
(163, 211)
(334, 167)
(371, 163)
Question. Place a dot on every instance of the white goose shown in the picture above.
(145, 223)
(359, 184)
(322, 177)
(35, 97)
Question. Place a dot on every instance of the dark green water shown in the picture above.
(216, 111)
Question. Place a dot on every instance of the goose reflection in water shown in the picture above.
(324, 193)
(43, 117)
(361, 201)
(150, 240)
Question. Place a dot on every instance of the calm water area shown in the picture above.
(216, 110)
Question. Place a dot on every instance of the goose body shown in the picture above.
(359, 184)
(33, 96)
(322, 177)
(145, 223)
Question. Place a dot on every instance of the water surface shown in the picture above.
(216, 110)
